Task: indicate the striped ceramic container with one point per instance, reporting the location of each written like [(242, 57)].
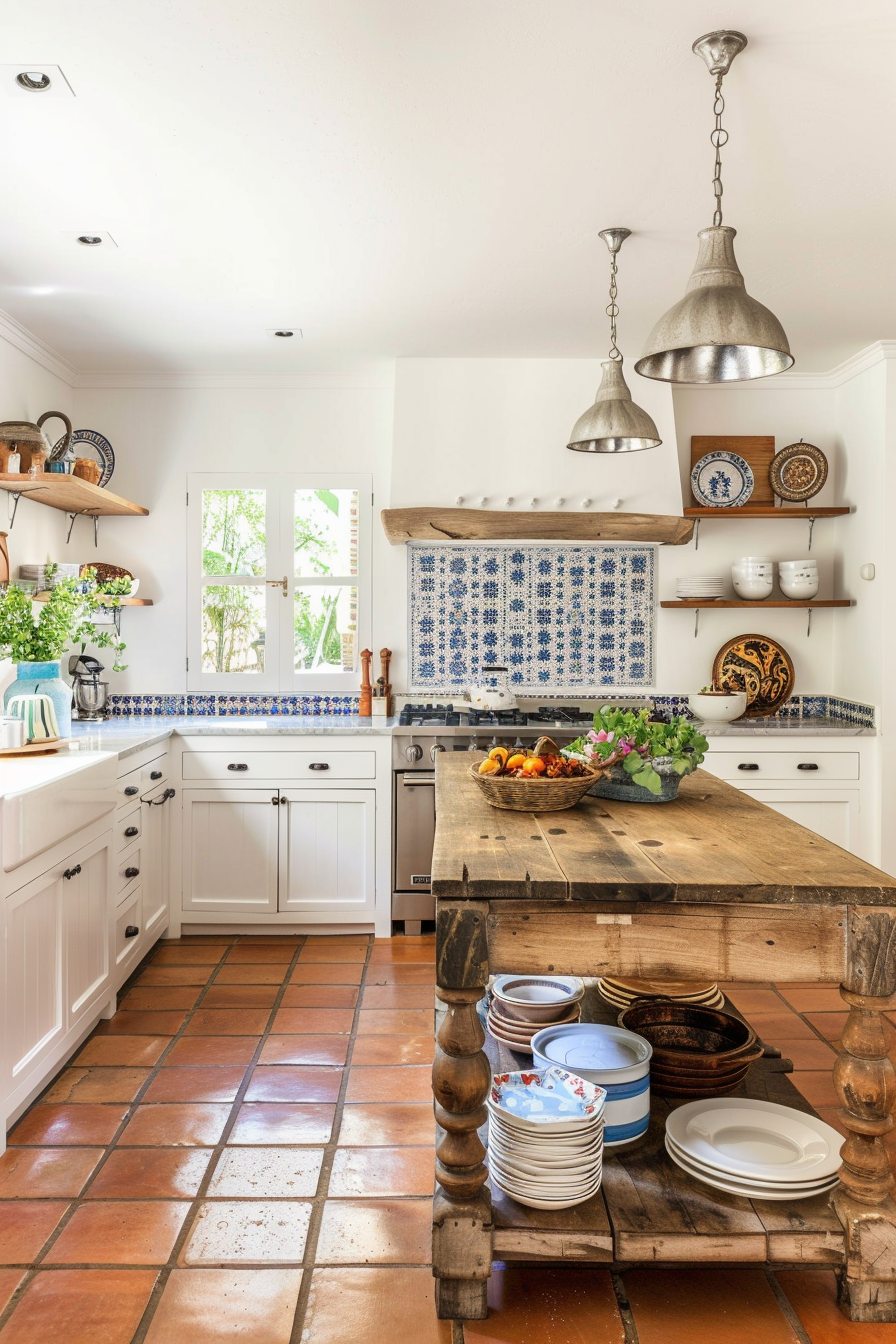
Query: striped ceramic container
[(616, 1059), (39, 716)]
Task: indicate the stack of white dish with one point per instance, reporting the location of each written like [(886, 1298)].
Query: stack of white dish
[(521, 1005), (545, 1137), (616, 1060), (708, 588), (756, 1149), (754, 577), (621, 991), (798, 578)]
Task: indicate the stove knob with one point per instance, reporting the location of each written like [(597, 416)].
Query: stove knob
[(434, 750), (473, 745), (413, 752), (519, 745), (493, 743)]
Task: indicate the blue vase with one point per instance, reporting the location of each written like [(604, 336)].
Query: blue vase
[(44, 679)]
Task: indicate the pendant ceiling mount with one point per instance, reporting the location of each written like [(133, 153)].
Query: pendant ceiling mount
[(717, 333), (614, 424)]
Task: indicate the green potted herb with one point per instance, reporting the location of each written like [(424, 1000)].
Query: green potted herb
[(36, 644), (648, 758)]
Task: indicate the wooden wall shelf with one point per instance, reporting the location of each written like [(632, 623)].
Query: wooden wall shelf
[(435, 524), (71, 495), (122, 601), (722, 604), (791, 512)]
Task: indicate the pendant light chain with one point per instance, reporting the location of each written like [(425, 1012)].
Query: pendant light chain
[(718, 138), (613, 310)]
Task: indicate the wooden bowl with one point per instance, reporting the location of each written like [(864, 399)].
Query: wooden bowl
[(535, 794)]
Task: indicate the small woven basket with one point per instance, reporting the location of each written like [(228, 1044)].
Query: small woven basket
[(536, 794)]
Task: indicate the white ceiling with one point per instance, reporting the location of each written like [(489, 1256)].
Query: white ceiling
[(406, 177)]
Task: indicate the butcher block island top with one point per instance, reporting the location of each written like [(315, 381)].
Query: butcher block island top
[(712, 885)]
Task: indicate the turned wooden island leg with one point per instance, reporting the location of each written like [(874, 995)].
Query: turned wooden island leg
[(866, 1085), (461, 1075)]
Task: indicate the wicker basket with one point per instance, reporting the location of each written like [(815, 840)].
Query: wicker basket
[(537, 794)]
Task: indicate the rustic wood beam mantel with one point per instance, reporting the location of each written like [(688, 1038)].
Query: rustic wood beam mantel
[(435, 524)]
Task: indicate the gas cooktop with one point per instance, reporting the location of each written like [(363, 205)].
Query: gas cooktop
[(447, 716)]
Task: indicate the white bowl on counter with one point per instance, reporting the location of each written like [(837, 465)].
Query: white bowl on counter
[(718, 708)]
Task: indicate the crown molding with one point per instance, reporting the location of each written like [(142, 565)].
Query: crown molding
[(860, 362), (16, 335), (370, 377)]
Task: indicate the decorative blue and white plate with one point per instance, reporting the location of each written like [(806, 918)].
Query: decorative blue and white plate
[(101, 450), (553, 1097), (722, 480)]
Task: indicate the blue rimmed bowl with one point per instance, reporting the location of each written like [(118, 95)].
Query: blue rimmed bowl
[(611, 1057)]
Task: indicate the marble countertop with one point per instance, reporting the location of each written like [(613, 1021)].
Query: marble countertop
[(127, 735), (772, 727)]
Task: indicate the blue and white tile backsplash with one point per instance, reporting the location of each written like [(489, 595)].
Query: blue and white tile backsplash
[(568, 617)]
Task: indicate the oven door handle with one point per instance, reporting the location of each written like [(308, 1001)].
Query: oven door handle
[(409, 782)]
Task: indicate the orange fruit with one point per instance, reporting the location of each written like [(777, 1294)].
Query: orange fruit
[(516, 760), (489, 766), (534, 765), (499, 754)]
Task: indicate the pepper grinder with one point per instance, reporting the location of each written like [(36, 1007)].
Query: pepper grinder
[(364, 706), (385, 660)]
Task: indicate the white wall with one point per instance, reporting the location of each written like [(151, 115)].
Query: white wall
[(160, 435)]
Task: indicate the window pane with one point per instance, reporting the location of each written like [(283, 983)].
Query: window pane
[(233, 628), (326, 623), (326, 532), (233, 531)]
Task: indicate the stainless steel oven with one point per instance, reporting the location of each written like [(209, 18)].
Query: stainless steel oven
[(414, 828)]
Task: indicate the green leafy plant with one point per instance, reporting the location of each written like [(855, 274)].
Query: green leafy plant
[(635, 741), (64, 620)]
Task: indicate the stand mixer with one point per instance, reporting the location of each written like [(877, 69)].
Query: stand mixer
[(90, 694)]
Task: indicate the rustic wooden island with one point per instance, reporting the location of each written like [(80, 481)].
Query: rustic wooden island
[(714, 885)]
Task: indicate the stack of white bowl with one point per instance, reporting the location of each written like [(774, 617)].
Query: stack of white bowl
[(708, 587), (754, 577), (545, 1137), (798, 578), (521, 1005)]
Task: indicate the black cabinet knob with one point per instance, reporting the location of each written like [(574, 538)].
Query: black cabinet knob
[(237, 767), (318, 765), (131, 831), (131, 790), (749, 765), (132, 872), (807, 765), (155, 774), (131, 931), (72, 872)]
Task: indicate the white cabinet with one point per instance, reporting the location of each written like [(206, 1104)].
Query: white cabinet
[(156, 850), (86, 925), (230, 850), (34, 1008), (327, 847)]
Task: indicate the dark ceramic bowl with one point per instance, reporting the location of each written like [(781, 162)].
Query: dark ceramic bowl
[(686, 1036)]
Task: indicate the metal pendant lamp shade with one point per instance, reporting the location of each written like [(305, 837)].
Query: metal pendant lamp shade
[(614, 424), (717, 333)]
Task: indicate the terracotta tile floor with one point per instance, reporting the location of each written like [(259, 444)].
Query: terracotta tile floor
[(246, 1151)]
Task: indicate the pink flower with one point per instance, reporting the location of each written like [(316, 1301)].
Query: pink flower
[(625, 748)]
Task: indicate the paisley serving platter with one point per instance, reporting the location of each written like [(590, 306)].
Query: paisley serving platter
[(722, 480), (99, 446), (798, 472), (758, 666)]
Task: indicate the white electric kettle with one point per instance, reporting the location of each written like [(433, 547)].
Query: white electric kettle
[(491, 690)]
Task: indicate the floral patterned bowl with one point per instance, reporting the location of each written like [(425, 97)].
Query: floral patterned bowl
[(553, 1100)]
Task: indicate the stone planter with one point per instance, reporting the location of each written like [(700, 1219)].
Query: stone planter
[(619, 784)]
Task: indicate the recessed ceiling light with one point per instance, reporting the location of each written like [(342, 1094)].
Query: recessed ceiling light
[(284, 332), (89, 239), (35, 81)]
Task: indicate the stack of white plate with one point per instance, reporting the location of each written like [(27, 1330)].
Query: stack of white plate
[(545, 1137), (621, 991), (708, 588), (754, 1148), (521, 1005)]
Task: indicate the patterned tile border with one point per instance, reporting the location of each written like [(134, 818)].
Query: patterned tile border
[(797, 707)]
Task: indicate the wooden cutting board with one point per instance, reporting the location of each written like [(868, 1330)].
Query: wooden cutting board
[(757, 450)]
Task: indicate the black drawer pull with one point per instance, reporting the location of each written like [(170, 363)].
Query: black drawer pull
[(132, 872), (132, 831), (237, 767), (155, 774), (131, 790), (807, 765), (748, 765), (72, 872), (131, 931), (318, 765)]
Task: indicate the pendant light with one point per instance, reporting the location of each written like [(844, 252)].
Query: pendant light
[(716, 333), (614, 424)]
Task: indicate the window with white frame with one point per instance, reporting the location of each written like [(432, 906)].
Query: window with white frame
[(279, 582)]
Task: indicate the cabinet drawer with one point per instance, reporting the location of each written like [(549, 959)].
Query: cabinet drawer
[(129, 788), (128, 829), (129, 916), (312, 767), (800, 767), (153, 775), (129, 867)]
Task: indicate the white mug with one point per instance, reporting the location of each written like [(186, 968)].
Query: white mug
[(12, 733)]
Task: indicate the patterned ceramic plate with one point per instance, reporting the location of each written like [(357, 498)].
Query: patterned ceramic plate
[(722, 480), (101, 450), (798, 472), (551, 1096), (760, 667)]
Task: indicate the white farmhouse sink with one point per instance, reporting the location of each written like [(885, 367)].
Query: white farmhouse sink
[(43, 799)]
